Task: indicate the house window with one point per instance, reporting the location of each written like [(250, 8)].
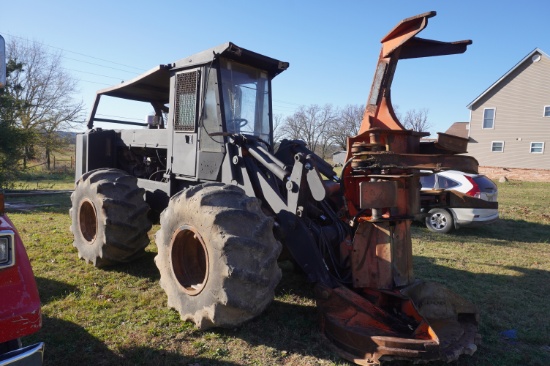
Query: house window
[(497, 146), (537, 148), (547, 111), (488, 117)]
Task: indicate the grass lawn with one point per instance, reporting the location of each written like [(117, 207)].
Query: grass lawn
[(43, 180), (119, 316)]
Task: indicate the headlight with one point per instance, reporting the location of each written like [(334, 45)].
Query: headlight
[(7, 253)]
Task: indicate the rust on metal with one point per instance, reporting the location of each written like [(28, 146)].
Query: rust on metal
[(378, 194), (387, 313), (458, 199), (386, 159), (452, 143), (381, 258)]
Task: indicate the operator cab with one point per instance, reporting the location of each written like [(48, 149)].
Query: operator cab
[(199, 102), (245, 92)]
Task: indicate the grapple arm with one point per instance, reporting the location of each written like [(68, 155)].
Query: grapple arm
[(400, 43), (386, 313)]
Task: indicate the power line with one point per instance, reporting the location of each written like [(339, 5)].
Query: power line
[(94, 82), (93, 63), (276, 105), (79, 53), (282, 101), (100, 59), (86, 62), (121, 117), (91, 73), (284, 108)]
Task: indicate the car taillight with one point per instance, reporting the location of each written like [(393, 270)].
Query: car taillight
[(474, 192)]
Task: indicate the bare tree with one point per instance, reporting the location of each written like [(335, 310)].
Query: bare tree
[(46, 94), (417, 120), (311, 124), (397, 112), (347, 124), (277, 130)]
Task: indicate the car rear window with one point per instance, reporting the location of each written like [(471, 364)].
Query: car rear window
[(484, 183), (446, 183), (428, 181)]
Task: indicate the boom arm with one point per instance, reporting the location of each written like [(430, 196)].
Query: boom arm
[(381, 189), (400, 43)]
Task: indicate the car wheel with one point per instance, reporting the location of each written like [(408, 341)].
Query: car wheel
[(439, 221)]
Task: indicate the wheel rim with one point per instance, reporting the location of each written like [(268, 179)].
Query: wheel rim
[(438, 221), (87, 221), (189, 259)]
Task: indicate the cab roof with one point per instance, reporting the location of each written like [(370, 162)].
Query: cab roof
[(154, 85)]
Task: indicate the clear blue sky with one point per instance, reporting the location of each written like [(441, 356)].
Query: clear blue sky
[(332, 46)]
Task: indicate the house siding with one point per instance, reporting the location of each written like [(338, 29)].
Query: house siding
[(519, 101)]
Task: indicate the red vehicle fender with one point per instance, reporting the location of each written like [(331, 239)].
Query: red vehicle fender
[(19, 301)]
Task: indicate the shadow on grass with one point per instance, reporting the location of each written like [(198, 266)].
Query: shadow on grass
[(504, 302), (289, 327), (511, 230), (51, 290), (503, 229), (143, 267), (70, 344), (284, 328)]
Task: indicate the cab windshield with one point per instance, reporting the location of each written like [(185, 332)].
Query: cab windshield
[(246, 99)]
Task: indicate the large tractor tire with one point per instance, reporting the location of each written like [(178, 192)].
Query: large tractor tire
[(109, 217), (217, 255)]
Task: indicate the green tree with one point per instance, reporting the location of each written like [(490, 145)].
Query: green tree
[(12, 139)]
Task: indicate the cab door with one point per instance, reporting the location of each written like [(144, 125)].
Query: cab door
[(185, 106)]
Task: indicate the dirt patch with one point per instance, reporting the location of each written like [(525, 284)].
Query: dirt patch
[(35, 192), (526, 175), (24, 207), (27, 207)]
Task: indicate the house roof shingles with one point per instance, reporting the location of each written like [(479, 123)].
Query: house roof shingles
[(459, 129)]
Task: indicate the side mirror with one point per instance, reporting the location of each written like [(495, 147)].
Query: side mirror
[(2, 62)]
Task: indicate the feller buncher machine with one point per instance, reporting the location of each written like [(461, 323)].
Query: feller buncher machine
[(229, 202)]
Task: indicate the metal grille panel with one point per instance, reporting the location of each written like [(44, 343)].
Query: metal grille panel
[(186, 101)]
